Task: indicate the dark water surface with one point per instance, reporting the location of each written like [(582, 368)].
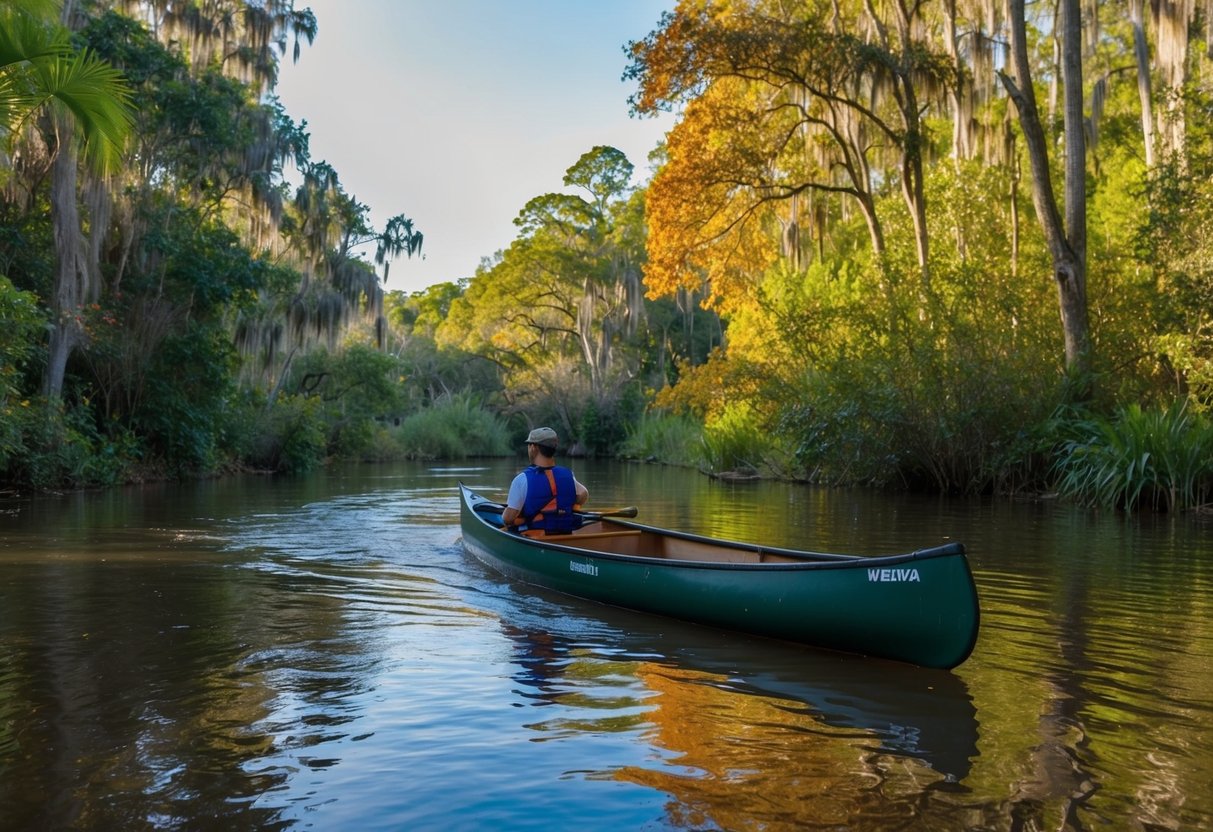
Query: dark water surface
[(320, 653)]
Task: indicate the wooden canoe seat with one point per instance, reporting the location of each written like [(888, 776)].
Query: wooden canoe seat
[(573, 536), (538, 534), (594, 535)]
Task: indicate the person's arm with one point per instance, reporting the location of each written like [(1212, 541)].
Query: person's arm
[(515, 501), (583, 494)]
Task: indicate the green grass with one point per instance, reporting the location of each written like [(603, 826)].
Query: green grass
[(665, 438), (455, 427), (1157, 458)]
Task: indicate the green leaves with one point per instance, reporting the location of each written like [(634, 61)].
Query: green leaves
[(19, 323), (1163, 457), (604, 172), (40, 70)]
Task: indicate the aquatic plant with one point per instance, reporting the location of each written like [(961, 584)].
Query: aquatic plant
[(1156, 457), (665, 438)]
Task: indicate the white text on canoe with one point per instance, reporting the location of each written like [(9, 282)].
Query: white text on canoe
[(584, 568), (881, 575)]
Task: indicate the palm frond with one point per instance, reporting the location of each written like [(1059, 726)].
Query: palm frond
[(98, 99), (26, 39)]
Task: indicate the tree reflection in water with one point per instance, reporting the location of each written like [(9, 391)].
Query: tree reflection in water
[(320, 653), (749, 734)]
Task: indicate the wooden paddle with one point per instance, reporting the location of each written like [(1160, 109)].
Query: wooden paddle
[(626, 511)]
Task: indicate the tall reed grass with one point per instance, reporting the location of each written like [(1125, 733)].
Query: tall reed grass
[(454, 427), (665, 438), (733, 444), (1161, 458), (738, 442)]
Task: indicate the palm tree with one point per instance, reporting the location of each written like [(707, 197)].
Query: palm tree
[(75, 102), (41, 71)]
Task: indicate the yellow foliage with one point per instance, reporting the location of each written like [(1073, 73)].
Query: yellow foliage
[(707, 389), (708, 212)]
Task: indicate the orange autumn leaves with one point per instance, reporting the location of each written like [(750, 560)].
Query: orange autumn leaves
[(750, 152), (795, 118), (709, 218)]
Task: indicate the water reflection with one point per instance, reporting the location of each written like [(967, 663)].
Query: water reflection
[(319, 653), (123, 690), (747, 730)]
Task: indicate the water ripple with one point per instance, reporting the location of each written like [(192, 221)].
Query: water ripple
[(321, 653)]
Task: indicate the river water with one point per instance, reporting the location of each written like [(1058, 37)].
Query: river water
[(320, 653)]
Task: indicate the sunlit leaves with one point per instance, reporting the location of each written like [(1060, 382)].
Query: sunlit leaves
[(561, 311), (793, 114), (706, 221), (41, 69), (604, 173), (19, 322)]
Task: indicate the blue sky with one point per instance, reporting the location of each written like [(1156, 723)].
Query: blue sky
[(457, 112)]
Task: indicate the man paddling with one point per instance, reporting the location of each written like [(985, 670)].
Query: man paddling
[(544, 495)]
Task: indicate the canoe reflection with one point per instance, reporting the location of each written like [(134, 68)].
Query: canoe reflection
[(724, 703)]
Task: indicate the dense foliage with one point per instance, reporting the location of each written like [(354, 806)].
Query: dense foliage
[(877, 248), (155, 310), (852, 184)]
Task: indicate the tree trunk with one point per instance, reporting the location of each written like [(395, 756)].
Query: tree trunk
[(1068, 250), (1075, 137), (912, 178), (1171, 19), (73, 278), (904, 93), (71, 275), (1015, 177), (867, 206), (914, 193), (1072, 274), (1141, 53), (960, 92)]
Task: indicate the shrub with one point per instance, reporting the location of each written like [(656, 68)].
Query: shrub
[(1156, 457), (20, 322), (667, 438), (48, 446), (181, 415), (604, 422), (454, 427), (842, 428), (290, 437)]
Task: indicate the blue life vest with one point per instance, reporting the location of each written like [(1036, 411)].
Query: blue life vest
[(549, 500)]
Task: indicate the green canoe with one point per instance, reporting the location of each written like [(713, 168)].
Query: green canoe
[(919, 607)]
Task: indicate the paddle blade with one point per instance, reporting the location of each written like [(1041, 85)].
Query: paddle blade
[(626, 511)]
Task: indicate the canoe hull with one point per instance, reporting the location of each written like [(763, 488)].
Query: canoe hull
[(919, 608)]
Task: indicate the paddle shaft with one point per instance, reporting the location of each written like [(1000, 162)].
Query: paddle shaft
[(626, 511)]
